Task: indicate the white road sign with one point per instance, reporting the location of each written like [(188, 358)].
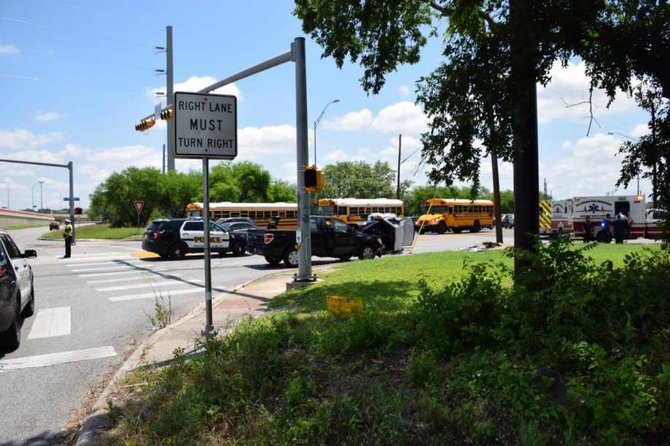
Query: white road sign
[(205, 125)]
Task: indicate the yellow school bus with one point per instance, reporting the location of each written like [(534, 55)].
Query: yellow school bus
[(444, 214), (356, 210), (261, 213)]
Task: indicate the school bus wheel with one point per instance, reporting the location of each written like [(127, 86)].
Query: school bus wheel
[(441, 228)]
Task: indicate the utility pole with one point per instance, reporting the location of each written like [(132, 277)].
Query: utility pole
[(170, 94), (397, 193)]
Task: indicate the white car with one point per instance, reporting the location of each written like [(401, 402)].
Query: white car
[(17, 295)]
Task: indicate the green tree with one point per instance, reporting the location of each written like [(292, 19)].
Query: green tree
[(177, 190), (495, 53), (358, 179), (239, 182), (281, 191), (113, 199)]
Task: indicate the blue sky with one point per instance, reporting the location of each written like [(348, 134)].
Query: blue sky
[(76, 75)]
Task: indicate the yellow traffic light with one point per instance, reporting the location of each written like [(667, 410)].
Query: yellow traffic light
[(167, 114), (145, 124), (314, 179)]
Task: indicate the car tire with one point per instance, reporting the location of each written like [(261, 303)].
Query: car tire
[(366, 252), (273, 260), (476, 227), (29, 309), (291, 258), (11, 338), (177, 251), (238, 249), (441, 228)]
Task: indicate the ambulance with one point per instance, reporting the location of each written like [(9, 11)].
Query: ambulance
[(608, 207)]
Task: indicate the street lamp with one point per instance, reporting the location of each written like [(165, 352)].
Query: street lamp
[(41, 183), (32, 194), (316, 123)]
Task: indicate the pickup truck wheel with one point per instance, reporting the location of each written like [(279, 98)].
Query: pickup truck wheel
[(238, 249), (291, 258), (177, 251), (273, 260), (366, 252), (11, 338)]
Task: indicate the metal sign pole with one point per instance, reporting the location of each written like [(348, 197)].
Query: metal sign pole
[(208, 329), (305, 252)]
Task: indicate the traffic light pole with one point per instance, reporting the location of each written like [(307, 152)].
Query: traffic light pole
[(70, 167), (170, 94), (305, 241)]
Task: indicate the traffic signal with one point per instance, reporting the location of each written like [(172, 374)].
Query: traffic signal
[(167, 114), (314, 179), (145, 124)]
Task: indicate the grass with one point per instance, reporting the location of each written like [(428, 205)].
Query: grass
[(97, 231), (304, 377)]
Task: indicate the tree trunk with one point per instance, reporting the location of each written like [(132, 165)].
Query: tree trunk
[(524, 125)]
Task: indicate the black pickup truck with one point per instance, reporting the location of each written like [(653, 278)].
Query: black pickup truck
[(331, 237)]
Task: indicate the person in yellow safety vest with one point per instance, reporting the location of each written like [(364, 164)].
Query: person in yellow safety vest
[(67, 236)]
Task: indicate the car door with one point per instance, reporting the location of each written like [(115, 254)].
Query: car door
[(318, 236), (219, 238), (343, 238), (7, 287), (19, 264)]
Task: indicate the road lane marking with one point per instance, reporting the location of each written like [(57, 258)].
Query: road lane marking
[(102, 268), (7, 365), (51, 322), (153, 295), (149, 275), (106, 262), (143, 285), (111, 274)]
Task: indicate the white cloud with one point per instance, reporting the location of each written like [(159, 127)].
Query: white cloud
[(99, 164), (351, 122), (567, 96), (49, 116), (22, 139), (404, 90), (7, 49), (336, 156), (402, 117), (255, 143)]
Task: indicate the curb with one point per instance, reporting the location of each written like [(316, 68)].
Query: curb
[(97, 417)]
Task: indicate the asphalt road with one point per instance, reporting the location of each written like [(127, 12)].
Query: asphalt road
[(94, 308)]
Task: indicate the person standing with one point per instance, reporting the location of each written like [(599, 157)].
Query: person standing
[(620, 225), (67, 236), (588, 229)]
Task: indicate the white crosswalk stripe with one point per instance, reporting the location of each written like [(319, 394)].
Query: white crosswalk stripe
[(148, 284), (120, 274), (50, 359), (51, 322), (164, 294)]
